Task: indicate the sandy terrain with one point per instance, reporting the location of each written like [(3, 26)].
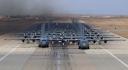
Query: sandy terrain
[(7, 26), (111, 24), (10, 25), (104, 23)]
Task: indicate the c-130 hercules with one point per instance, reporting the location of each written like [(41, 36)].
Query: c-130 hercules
[(82, 40)]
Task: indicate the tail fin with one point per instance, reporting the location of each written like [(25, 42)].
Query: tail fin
[(82, 31), (43, 29)]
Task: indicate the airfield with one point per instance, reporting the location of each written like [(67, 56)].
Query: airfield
[(15, 55)]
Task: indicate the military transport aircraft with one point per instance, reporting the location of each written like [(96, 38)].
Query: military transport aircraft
[(82, 38), (83, 42)]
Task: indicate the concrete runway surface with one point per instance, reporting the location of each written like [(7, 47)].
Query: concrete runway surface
[(14, 55)]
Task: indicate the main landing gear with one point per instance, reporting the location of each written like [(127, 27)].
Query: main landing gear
[(84, 48), (43, 46)]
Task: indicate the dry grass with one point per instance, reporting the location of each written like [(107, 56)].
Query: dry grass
[(119, 24), (6, 26), (122, 33)]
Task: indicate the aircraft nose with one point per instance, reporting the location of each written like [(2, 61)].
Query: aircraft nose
[(43, 42), (84, 44)]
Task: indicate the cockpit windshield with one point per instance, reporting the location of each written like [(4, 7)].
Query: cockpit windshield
[(43, 40), (83, 41)]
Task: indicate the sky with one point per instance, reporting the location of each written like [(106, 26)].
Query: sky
[(40, 7)]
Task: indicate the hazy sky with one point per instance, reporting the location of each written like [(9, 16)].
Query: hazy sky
[(38, 7)]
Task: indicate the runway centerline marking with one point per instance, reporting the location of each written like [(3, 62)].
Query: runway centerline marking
[(58, 51), (58, 56), (115, 57), (58, 61), (58, 68), (9, 52)]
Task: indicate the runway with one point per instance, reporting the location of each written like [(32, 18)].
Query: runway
[(14, 55)]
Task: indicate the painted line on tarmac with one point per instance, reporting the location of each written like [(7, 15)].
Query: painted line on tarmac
[(58, 56), (9, 52), (115, 57), (58, 68), (58, 52), (58, 61)]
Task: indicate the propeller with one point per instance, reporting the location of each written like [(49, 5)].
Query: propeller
[(25, 36), (23, 40), (94, 41), (95, 32), (73, 41), (28, 41), (33, 40), (99, 42), (91, 37), (34, 36), (105, 41), (101, 37)]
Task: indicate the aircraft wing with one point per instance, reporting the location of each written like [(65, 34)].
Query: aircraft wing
[(72, 39), (84, 36), (24, 39), (35, 39), (36, 35), (113, 40), (25, 33), (88, 35), (40, 35), (29, 35), (55, 39), (106, 39), (14, 39), (110, 37), (17, 36), (97, 39), (97, 35)]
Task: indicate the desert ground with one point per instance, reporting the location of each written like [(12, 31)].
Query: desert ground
[(104, 23), (110, 24)]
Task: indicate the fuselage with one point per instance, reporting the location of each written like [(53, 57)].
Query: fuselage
[(43, 43), (84, 44)]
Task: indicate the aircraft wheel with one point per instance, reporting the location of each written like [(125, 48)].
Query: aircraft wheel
[(87, 47), (79, 47), (39, 46)]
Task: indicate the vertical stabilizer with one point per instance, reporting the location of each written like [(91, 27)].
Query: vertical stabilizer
[(50, 21), (73, 21), (83, 31), (80, 28), (43, 29)]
